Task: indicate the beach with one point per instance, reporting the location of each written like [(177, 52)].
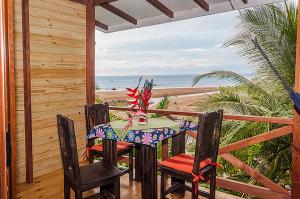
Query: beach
[(181, 99)]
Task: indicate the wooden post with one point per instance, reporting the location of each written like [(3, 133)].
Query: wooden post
[(12, 100), (7, 104), (296, 126), (90, 52), (3, 99), (27, 91)]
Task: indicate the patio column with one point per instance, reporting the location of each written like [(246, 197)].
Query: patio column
[(296, 126), (90, 52)]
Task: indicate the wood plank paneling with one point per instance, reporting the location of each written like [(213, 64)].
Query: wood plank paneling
[(58, 49)]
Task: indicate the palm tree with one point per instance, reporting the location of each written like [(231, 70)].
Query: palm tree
[(275, 28)]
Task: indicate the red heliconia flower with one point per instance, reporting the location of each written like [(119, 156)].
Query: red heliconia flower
[(132, 90), (147, 91), (131, 95), (141, 98)]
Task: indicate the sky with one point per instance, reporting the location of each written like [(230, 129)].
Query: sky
[(192, 46)]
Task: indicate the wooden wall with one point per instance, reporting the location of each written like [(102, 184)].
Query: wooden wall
[(57, 42)]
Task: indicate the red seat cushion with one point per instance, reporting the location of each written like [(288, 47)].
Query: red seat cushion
[(120, 146), (184, 163)]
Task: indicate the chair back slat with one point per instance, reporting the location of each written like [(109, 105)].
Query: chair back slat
[(96, 114), (68, 147), (208, 138)]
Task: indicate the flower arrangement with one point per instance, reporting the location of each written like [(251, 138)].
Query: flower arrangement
[(141, 100)]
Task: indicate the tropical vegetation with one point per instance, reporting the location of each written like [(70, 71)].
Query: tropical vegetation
[(275, 27)]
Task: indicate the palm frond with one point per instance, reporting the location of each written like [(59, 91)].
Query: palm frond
[(275, 28), (162, 104), (222, 74)]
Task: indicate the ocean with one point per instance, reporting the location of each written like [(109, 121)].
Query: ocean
[(160, 81)]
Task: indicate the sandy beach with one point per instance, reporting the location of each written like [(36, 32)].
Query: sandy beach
[(181, 99)]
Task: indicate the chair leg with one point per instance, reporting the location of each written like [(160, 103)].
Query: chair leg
[(212, 185), (131, 165), (90, 157), (117, 188), (66, 189), (194, 190), (162, 185), (78, 194)]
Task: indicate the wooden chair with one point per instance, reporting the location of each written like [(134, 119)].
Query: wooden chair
[(202, 166), (97, 114), (83, 178)]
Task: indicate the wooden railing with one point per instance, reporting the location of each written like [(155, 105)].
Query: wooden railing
[(269, 189)]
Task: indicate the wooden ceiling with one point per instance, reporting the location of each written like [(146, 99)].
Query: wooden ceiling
[(117, 15)]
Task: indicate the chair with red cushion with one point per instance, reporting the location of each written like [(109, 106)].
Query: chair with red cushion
[(97, 114), (201, 166)]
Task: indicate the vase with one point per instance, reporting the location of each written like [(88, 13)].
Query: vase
[(143, 118), (142, 121)]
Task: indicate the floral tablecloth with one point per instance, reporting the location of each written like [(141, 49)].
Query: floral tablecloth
[(104, 131), (156, 130), (186, 125)]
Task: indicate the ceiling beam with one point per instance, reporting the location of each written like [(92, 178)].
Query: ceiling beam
[(203, 4), (160, 6), (119, 13), (101, 25), (245, 1), (99, 2)]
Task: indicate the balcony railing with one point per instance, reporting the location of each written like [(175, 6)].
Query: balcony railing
[(269, 189)]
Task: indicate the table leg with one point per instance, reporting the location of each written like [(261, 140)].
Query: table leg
[(149, 172), (138, 163)]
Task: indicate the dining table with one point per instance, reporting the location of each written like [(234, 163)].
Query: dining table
[(146, 137)]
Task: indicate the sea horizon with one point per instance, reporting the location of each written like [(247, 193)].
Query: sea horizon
[(119, 82)]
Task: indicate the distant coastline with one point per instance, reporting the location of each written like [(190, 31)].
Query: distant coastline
[(181, 99), (108, 83)]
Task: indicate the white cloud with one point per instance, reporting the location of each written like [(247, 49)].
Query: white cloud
[(189, 47)]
